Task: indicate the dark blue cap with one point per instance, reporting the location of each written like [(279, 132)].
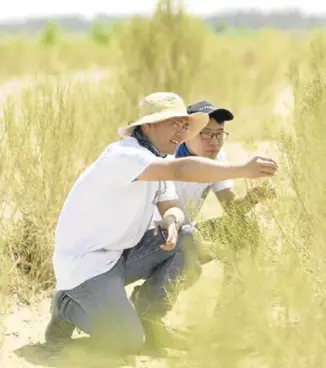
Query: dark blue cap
[(214, 112)]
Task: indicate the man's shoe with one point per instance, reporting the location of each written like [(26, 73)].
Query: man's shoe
[(58, 330), (159, 336)]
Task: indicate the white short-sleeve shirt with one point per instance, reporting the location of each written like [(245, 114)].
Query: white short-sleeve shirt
[(105, 212), (191, 194)]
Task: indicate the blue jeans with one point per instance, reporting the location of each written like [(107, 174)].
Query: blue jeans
[(100, 306)]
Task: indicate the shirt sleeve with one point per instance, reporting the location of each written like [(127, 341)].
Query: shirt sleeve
[(167, 192), (224, 184), (122, 165)]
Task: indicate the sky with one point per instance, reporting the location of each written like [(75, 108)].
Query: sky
[(21, 9)]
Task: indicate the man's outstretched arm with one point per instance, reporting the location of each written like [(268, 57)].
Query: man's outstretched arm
[(204, 170)]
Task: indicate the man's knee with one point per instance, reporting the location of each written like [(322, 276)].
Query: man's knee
[(186, 240)]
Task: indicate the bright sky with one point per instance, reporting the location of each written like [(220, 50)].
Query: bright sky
[(19, 9)]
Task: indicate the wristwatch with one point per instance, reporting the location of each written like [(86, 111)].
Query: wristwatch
[(177, 224)]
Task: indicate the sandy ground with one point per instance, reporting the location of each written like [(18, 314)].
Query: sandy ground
[(23, 337), (24, 329)]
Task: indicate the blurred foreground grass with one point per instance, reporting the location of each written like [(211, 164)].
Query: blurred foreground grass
[(271, 308)]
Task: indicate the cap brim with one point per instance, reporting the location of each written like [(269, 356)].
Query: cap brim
[(197, 122), (221, 115)]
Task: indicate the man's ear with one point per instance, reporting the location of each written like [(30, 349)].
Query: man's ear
[(145, 128)]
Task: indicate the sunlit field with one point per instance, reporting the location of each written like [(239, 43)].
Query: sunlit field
[(262, 302)]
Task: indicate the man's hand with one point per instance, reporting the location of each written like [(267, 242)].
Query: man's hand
[(170, 228), (172, 238), (259, 167), (172, 219)]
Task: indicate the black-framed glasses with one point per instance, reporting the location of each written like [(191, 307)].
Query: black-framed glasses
[(220, 136)]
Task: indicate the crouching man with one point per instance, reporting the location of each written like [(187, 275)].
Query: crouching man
[(102, 243)]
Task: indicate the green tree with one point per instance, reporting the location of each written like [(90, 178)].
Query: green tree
[(100, 33), (51, 34)]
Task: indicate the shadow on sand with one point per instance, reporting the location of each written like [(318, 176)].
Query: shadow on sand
[(79, 353)]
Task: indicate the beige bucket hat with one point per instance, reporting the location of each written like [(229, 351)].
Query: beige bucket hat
[(160, 106)]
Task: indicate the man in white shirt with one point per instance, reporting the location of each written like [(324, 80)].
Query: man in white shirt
[(101, 240), (209, 143)]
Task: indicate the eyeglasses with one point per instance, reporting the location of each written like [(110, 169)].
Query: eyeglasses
[(179, 126), (206, 135)]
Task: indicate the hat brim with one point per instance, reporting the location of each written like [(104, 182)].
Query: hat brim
[(221, 115), (197, 122)]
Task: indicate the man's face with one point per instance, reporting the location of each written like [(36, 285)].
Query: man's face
[(209, 141), (166, 135)]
